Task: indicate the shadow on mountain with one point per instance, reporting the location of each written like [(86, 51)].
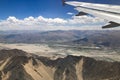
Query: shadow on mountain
[(19, 65)]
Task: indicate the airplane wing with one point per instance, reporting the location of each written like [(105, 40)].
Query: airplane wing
[(104, 11)]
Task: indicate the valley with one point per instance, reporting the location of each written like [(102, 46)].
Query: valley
[(56, 50)]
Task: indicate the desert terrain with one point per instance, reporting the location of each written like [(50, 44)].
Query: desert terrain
[(55, 51)]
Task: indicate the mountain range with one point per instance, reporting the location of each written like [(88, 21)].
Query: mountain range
[(106, 38)]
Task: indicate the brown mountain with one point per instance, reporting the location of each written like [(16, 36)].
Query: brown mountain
[(19, 65)]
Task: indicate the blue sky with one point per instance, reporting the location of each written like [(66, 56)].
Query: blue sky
[(24, 14), (46, 8), (25, 8)]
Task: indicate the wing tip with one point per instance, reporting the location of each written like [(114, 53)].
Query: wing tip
[(63, 2)]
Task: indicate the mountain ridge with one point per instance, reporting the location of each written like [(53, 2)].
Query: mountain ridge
[(17, 65)]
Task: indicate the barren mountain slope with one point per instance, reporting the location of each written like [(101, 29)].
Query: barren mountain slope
[(19, 65)]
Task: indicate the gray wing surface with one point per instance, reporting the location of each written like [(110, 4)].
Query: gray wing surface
[(104, 11)]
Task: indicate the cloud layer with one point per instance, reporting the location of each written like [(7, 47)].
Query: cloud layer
[(42, 23)]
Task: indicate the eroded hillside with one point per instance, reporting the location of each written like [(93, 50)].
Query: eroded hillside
[(19, 65)]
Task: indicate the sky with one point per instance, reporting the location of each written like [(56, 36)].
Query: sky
[(46, 15)]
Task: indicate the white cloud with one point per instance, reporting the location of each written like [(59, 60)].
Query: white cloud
[(42, 23), (69, 13), (12, 19), (29, 18)]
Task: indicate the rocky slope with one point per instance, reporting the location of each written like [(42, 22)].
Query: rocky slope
[(19, 65)]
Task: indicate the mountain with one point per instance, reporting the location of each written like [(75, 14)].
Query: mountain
[(106, 38), (19, 65)]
